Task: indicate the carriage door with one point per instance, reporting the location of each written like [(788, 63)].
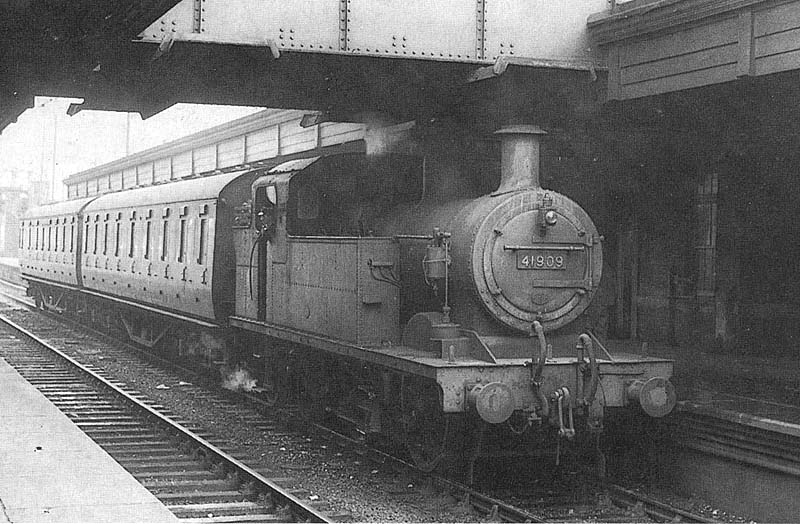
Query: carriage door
[(265, 217)]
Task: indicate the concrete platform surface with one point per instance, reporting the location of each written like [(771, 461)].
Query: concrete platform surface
[(50, 471), (764, 414), (753, 388)]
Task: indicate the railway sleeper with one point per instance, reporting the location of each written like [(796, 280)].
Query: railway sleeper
[(202, 496), (167, 485), (221, 509), (170, 475), (161, 465), (147, 453), (236, 518)]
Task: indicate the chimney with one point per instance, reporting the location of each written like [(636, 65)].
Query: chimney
[(520, 158)]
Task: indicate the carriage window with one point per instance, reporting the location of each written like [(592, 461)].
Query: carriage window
[(63, 237), (164, 239), (49, 237), (96, 236), (72, 238), (165, 234), (105, 237), (116, 239), (147, 240), (86, 238), (182, 247), (132, 245), (30, 235), (201, 245), (55, 228)]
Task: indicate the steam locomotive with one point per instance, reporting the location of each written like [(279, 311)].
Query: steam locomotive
[(363, 288)]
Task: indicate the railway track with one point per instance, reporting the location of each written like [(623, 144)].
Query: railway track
[(188, 470), (211, 481)]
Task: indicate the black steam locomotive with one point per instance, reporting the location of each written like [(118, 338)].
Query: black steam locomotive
[(367, 288)]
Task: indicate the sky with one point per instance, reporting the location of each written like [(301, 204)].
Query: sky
[(45, 142)]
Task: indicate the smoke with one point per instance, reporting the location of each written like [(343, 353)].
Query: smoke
[(238, 380)]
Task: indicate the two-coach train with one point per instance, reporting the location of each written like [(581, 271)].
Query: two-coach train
[(367, 288)]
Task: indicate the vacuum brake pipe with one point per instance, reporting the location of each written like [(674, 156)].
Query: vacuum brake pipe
[(585, 341), (538, 366)]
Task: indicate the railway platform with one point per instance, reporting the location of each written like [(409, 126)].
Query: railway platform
[(771, 416), (9, 270), (50, 471), (754, 389)]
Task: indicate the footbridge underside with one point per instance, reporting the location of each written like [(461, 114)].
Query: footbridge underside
[(504, 61)]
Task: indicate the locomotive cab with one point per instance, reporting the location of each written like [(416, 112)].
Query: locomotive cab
[(317, 270)]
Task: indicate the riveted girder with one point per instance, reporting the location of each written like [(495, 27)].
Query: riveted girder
[(551, 32)]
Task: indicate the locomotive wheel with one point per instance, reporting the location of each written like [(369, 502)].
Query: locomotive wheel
[(271, 389), (430, 435), (311, 385), (274, 382)]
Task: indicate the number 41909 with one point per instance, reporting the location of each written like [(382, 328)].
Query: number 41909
[(528, 261)]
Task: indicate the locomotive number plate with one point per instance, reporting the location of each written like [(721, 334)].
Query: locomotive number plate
[(544, 259)]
